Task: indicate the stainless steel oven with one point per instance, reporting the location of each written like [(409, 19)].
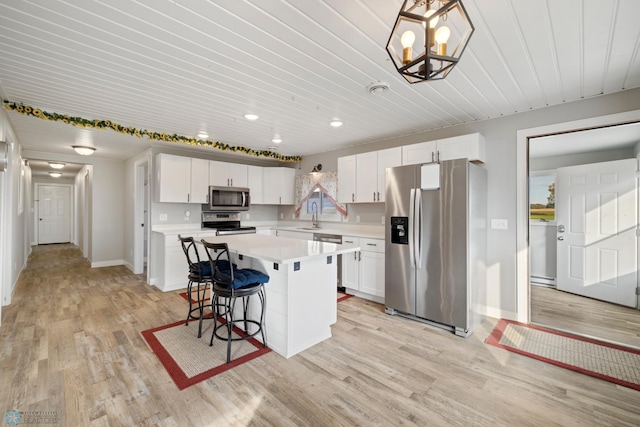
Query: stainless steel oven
[(228, 199)]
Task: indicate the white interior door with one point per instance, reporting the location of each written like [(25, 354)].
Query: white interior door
[(54, 219), (596, 210)]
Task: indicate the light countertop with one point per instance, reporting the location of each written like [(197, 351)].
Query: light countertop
[(281, 250), (372, 232)]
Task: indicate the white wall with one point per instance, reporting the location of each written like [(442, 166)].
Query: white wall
[(13, 236)]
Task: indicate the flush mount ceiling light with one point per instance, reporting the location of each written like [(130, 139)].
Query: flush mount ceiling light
[(203, 134), (55, 174), (440, 30), (83, 150), (276, 140), (56, 165), (251, 117), (336, 123)]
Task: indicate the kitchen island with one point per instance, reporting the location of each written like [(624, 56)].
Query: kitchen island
[(301, 302)]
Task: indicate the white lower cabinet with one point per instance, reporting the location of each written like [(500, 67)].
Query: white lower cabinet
[(363, 271), (170, 267)]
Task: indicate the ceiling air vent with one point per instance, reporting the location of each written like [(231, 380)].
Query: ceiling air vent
[(378, 87)]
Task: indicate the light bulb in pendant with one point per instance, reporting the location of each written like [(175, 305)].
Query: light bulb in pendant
[(432, 25), (407, 39), (442, 36)]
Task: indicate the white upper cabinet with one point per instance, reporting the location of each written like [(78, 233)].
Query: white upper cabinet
[(228, 174), (361, 178), (279, 186), (255, 177), (347, 179), (423, 152), (389, 158), (173, 178), (199, 192), (471, 146)]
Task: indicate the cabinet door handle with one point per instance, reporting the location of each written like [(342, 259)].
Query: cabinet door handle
[(231, 182), (353, 197), (348, 241), (188, 197), (374, 196), (378, 196), (372, 244), (432, 157), (438, 156), (359, 256), (355, 254)]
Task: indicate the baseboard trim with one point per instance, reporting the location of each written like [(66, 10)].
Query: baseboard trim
[(109, 263)]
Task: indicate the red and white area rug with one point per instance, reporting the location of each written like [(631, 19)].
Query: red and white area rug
[(343, 296), (189, 360), (609, 362)]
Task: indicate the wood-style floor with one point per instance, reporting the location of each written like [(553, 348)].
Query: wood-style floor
[(70, 343), (585, 316)]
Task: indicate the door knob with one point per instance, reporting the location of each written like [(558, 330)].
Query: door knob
[(561, 229), (560, 238)]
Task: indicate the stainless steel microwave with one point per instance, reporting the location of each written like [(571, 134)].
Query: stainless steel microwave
[(233, 199)]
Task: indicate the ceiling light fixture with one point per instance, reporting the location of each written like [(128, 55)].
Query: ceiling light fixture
[(203, 134), (316, 169), (431, 23), (276, 140), (83, 150), (56, 165), (336, 123), (251, 117), (55, 174)]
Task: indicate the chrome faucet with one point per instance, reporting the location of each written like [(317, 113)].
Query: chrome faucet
[(314, 215)]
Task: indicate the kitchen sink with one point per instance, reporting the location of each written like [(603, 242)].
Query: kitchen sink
[(308, 228)]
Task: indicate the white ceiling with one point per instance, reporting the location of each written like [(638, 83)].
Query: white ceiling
[(178, 66)]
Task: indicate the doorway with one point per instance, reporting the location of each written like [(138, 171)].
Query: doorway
[(571, 314), (141, 217), (54, 214)]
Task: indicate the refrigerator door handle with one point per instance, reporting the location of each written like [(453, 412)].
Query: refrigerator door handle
[(412, 202), (417, 228)]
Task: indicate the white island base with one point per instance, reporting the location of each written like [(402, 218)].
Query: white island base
[(301, 303)]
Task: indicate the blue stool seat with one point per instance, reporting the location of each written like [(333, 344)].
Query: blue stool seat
[(244, 277), (204, 267)]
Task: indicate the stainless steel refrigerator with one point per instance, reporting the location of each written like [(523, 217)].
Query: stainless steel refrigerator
[(435, 249)]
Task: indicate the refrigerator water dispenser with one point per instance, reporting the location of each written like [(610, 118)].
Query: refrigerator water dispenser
[(400, 230)]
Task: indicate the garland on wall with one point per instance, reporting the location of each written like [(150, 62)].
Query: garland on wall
[(152, 136)]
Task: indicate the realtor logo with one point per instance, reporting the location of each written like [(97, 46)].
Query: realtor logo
[(13, 418)]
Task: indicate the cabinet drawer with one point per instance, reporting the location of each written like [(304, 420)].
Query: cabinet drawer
[(350, 241), (372, 245)]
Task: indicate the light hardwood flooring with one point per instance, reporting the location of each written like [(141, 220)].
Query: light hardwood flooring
[(585, 316), (70, 342)]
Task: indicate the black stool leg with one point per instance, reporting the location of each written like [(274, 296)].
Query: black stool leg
[(263, 300), (189, 285)]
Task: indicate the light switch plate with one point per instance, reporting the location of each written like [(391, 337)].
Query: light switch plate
[(499, 224), (163, 217)]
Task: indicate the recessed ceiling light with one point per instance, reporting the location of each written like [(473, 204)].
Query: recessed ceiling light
[(55, 174), (56, 165), (83, 149), (336, 123), (250, 116), (203, 135), (276, 140)]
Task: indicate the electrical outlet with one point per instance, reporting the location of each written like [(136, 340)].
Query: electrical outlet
[(382, 220), (163, 217), (357, 218), (247, 216)]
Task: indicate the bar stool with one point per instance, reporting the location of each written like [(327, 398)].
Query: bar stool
[(231, 284), (200, 273)]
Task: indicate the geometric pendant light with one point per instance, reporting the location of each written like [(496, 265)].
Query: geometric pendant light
[(428, 38)]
